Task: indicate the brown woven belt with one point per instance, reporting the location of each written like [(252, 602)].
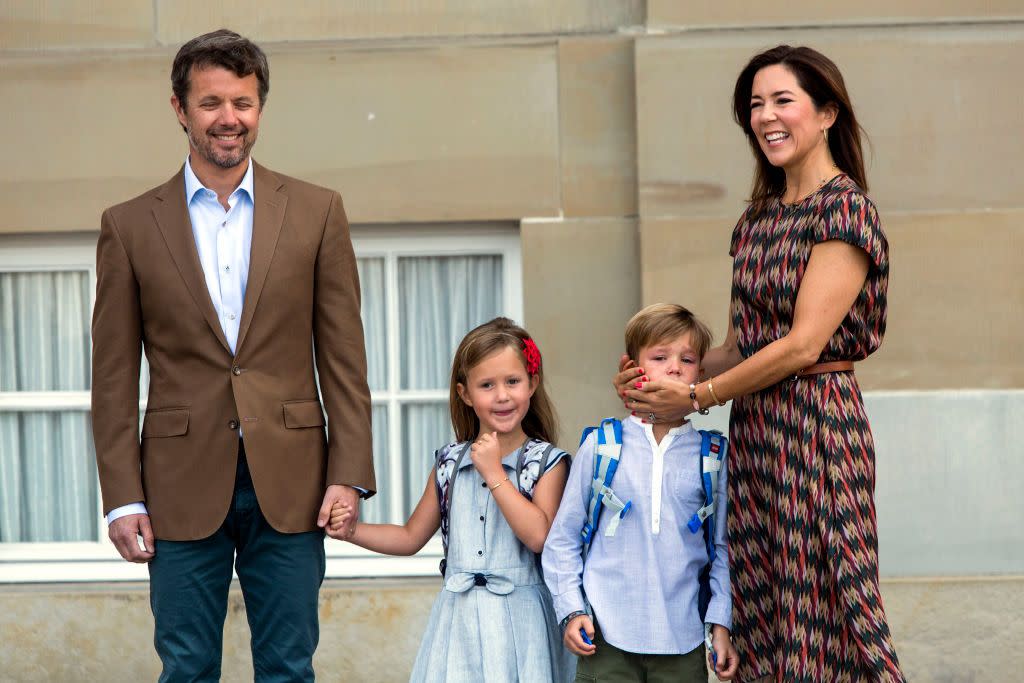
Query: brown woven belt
[(831, 366)]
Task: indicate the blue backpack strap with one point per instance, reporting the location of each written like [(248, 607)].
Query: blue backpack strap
[(713, 449), (606, 461)]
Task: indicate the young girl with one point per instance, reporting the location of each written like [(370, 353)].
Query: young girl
[(494, 495)]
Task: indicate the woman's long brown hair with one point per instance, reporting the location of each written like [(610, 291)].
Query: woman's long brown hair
[(540, 421), (820, 78)]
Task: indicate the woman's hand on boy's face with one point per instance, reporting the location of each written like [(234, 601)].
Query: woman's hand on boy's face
[(627, 376), (486, 455), (574, 641), (666, 398)]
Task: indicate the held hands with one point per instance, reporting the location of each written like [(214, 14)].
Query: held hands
[(725, 652), (486, 455), (124, 533), (574, 640), (341, 514), (665, 399), (343, 498)]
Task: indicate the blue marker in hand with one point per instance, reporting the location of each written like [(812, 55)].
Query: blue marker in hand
[(583, 635)]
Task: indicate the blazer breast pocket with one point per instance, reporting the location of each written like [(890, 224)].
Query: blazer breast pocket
[(164, 422), (302, 414)]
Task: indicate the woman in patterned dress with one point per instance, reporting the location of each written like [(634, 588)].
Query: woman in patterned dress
[(810, 272)]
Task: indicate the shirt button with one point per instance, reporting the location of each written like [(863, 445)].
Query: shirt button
[(484, 484), (227, 269), (481, 518), (231, 316), (236, 371), (233, 425), (479, 552), (224, 224)]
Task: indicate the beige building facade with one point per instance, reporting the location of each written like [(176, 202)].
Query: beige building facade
[(582, 152)]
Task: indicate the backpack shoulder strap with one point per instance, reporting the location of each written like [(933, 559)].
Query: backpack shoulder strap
[(607, 451), (446, 468), (713, 449)]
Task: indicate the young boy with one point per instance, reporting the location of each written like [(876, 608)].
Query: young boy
[(642, 582)]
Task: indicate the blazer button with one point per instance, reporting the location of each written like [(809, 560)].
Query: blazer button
[(236, 370), (233, 425)]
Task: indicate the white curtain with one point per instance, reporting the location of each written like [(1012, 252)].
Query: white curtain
[(440, 299), (48, 489)]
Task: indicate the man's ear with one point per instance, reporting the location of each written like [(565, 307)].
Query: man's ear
[(179, 111), (460, 389)]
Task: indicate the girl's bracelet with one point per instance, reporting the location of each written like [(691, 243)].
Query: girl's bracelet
[(498, 484)]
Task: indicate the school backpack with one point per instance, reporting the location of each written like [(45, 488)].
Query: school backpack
[(530, 465), (607, 451)]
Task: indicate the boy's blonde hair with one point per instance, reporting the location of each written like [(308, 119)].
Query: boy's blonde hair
[(663, 322), (540, 421)]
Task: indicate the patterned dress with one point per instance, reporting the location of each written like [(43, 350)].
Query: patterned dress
[(802, 534)]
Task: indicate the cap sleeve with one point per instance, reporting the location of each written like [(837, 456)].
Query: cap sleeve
[(853, 218)]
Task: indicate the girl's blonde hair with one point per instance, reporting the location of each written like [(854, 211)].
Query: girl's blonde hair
[(540, 421)]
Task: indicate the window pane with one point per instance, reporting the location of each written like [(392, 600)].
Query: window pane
[(376, 509), (44, 331), (373, 287), (48, 489), (440, 299), (425, 428)]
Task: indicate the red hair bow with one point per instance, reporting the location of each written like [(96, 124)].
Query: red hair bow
[(532, 355)]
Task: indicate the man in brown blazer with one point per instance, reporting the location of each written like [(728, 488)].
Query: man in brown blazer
[(231, 278)]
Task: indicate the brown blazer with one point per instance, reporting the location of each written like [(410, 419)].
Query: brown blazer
[(302, 291)]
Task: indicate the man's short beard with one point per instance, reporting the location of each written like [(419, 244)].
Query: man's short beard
[(206, 150)]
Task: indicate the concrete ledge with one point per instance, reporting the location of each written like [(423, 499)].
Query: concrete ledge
[(967, 629)]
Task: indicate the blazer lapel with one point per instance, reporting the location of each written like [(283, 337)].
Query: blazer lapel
[(171, 214), (268, 216)]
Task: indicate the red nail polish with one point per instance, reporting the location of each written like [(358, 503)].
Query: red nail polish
[(640, 370), (646, 378), (639, 385)]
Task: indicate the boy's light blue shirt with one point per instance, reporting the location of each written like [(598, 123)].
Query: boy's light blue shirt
[(642, 582)]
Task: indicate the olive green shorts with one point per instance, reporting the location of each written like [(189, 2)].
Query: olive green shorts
[(611, 664)]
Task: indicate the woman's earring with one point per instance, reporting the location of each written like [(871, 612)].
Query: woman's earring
[(824, 133)]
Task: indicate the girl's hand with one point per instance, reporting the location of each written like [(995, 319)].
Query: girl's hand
[(486, 456), (340, 514), (725, 651), (664, 398), (574, 641)]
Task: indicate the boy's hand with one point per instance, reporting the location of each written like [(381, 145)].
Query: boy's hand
[(338, 526), (725, 651), (574, 641), (486, 455)]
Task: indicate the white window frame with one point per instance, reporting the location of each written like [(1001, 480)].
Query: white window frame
[(60, 562)]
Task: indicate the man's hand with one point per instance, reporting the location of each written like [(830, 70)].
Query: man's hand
[(574, 641), (340, 516), (342, 496), (124, 533)]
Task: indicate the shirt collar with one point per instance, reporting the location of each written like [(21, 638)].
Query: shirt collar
[(194, 185), (675, 431)]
